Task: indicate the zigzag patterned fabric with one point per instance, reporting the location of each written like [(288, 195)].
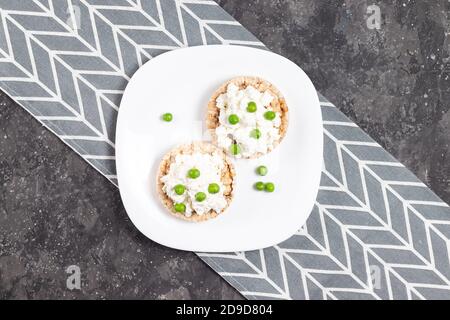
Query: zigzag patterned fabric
[(376, 231)]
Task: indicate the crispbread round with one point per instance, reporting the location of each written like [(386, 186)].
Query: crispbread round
[(227, 177), (278, 104)]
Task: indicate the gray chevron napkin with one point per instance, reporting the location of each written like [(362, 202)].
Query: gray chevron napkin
[(376, 231)]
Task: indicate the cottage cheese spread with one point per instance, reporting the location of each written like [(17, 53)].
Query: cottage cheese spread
[(210, 167), (235, 101)]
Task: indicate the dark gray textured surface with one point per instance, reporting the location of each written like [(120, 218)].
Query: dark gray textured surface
[(55, 210)]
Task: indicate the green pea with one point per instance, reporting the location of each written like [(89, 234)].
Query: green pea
[(167, 117), (270, 115), (259, 186), (233, 119), (269, 187), (179, 189), (180, 207), (251, 107), (255, 133), (235, 149), (194, 173), (261, 170), (200, 196), (213, 188)]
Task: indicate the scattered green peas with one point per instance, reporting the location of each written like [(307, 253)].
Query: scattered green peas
[(261, 170), (269, 187), (235, 149), (167, 117), (270, 115), (179, 189), (213, 188), (194, 173), (233, 119), (259, 186), (251, 107), (255, 133), (200, 196), (180, 207)]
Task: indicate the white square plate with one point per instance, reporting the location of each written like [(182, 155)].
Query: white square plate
[(181, 82)]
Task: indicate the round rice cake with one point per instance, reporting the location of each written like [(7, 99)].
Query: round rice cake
[(278, 105), (227, 175)]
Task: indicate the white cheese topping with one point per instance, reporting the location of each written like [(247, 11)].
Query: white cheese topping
[(235, 101), (210, 167)]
